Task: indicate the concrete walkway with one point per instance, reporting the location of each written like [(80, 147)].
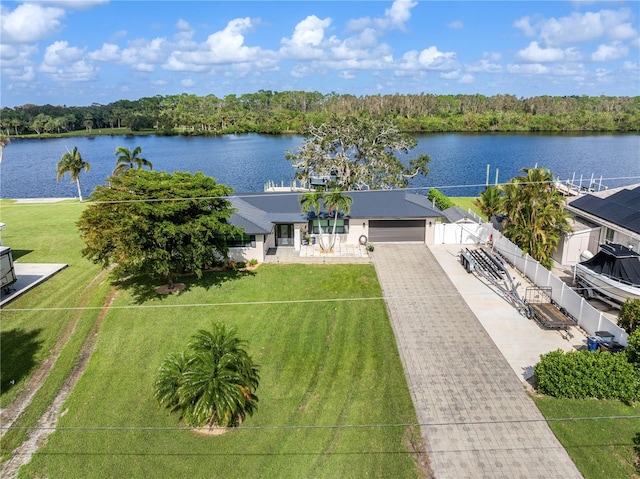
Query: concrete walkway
[(477, 420)]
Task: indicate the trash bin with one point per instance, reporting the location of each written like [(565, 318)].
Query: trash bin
[(592, 343)]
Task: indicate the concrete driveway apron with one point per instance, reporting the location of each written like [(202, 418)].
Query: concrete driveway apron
[(477, 420)]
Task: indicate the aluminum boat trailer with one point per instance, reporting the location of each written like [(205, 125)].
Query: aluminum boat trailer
[(493, 268), (537, 304)]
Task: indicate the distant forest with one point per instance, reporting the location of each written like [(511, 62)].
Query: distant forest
[(293, 111)]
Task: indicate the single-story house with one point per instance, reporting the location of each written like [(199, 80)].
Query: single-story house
[(609, 216), (275, 220)]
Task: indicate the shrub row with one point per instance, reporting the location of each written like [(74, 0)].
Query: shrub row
[(587, 374), (441, 200)]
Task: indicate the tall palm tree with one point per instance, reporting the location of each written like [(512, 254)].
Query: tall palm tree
[(127, 159), (336, 201), (212, 384), (72, 163), (536, 218)]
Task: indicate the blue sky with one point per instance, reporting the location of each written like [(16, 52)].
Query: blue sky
[(77, 52)]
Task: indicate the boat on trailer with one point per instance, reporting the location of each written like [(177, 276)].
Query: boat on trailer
[(612, 275)]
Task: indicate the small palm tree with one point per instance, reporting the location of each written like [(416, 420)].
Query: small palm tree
[(127, 159), (489, 201), (336, 202), (213, 383), (72, 163)]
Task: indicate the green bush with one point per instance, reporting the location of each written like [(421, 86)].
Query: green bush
[(587, 374), (629, 318), (442, 201), (633, 349)]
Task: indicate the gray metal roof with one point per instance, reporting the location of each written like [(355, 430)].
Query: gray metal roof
[(253, 220), (455, 214), (257, 213), (621, 208)]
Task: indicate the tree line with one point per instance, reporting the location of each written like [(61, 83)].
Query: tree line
[(272, 112)]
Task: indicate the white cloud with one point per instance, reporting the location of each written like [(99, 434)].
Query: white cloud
[(187, 83), (633, 67), (457, 25), (144, 55), (398, 14), (394, 18), (307, 39), (428, 59), (613, 51), (527, 69), (466, 79), (108, 53), (524, 24), (582, 27), (29, 23), (534, 53), (59, 55)]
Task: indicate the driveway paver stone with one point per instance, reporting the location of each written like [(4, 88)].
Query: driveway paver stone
[(477, 420)]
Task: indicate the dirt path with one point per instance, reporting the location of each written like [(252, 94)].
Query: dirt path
[(9, 414), (46, 424)]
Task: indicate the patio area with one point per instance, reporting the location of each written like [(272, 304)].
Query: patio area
[(341, 253)]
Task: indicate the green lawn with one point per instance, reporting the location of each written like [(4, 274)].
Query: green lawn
[(602, 448), (328, 363), (466, 203)]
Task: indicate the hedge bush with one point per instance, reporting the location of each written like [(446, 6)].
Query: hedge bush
[(633, 349), (587, 374), (441, 200), (629, 318)]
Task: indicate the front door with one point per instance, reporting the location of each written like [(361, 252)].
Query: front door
[(284, 235)]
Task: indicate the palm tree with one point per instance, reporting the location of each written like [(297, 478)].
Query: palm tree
[(72, 163), (311, 204), (336, 202), (536, 218), (127, 159), (212, 384), (490, 201)]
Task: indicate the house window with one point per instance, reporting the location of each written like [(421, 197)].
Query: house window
[(608, 235), (242, 241), (342, 226)]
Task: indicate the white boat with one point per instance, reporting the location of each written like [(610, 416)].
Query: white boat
[(612, 274)]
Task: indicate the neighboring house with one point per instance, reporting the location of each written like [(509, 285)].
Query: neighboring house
[(610, 216), (455, 214), (273, 220)]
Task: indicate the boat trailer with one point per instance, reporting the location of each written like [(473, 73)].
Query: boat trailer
[(537, 304), (492, 267)]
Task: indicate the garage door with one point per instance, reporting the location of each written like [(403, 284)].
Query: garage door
[(389, 231)]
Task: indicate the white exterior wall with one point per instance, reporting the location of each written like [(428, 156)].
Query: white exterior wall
[(248, 253)]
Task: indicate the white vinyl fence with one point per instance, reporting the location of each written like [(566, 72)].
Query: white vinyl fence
[(588, 318)]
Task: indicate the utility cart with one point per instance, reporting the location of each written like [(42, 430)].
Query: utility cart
[(542, 309)]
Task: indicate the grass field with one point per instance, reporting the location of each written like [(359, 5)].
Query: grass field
[(603, 448), (322, 364)]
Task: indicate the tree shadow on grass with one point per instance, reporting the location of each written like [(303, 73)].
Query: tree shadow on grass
[(144, 289), (18, 349)]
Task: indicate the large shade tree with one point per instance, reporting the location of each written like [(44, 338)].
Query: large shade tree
[(72, 163), (212, 383), (536, 218), (127, 159), (157, 224), (359, 152)]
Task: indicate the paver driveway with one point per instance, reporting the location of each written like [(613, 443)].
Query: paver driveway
[(477, 418)]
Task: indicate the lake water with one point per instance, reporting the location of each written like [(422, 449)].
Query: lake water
[(246, 162)]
